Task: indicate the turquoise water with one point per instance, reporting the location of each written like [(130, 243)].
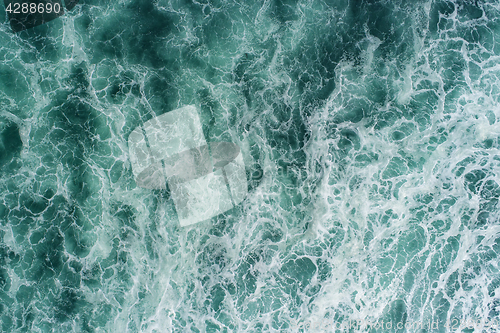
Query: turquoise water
[(371, 138)]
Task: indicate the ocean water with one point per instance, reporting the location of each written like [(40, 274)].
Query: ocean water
[(370, 132)]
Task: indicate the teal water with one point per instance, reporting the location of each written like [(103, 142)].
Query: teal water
[(371, 139)]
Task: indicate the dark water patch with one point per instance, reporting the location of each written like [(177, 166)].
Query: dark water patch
[(317, 83), (403, 131), (10, 144), (135, 32), (43, 41), (78, 242), (71, 111), (36, 205), (6, 257), (474, 180), (250, 72), (161, 93), (217, 296), (128, 229), (440, 12), (83, 22), (298, 273), (289, 141), (389, 22), (349, 139), (68, 304), (121, 86), (126, 214), (244, 67), (78, 130), (106, 45), (287, 133), (49, 256), (217, 31), (70, 4), (78, 185), (12, 83), (149, 26), (284, 10), (25, 294), (21, 223)]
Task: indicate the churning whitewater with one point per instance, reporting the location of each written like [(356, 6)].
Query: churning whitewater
[(369, 139)]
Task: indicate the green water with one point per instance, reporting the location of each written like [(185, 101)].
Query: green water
[(370, 131)]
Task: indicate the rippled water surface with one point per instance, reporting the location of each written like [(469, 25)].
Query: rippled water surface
[(370, 132)]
